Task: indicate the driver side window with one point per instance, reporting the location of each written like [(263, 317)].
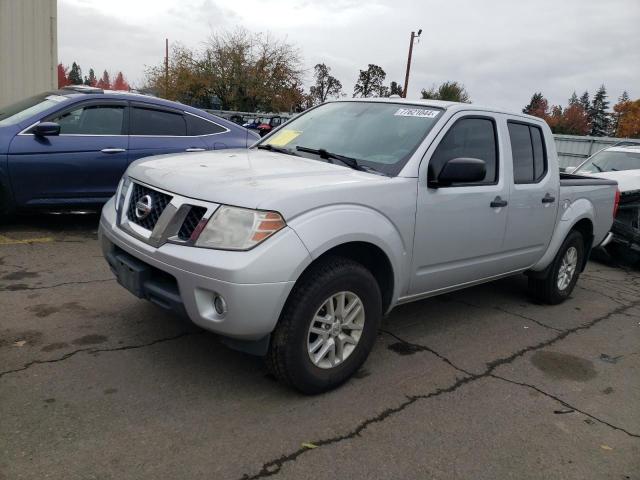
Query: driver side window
[(468, 138)]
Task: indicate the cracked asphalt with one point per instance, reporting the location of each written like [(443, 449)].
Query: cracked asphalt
[(478, 384)]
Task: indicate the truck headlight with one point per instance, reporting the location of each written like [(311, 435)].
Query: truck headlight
[(121, 192), (233, 228)]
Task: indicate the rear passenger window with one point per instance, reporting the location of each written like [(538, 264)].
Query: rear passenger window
[(148, 121), (199, 126), (529, 157), (470, 138)]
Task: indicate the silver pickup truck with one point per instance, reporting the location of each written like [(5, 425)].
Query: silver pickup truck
[(295, 248)]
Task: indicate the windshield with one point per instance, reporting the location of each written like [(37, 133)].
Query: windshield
[(611, 161), (379, 135), (17, 112)]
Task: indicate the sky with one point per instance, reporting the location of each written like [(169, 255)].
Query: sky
[(501, 50)]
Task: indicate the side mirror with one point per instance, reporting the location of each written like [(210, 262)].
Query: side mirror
[(460, 170), (46, 129), (569, 169)]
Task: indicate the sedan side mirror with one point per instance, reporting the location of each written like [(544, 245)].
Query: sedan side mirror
[(46, 129), (460, 170)]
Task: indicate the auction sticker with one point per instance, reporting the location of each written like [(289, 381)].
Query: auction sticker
[(280, 139), (417, 112)]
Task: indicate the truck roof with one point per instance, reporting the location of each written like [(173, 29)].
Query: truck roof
[(451, 106)]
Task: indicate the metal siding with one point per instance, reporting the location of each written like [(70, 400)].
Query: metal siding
[(28, 48), (574, 149)]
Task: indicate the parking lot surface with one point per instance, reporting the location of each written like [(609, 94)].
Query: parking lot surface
[(478, 384)]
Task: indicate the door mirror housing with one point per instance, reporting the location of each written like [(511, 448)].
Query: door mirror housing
[(46, 129), (460, 170)]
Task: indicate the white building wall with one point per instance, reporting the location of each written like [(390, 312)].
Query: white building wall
[(28, 48)]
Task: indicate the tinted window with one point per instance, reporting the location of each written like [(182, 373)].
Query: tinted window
[(200, 126), (527, 147), (470, 138), (92, 120), (148, 121)]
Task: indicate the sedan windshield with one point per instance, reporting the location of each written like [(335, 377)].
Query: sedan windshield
[(611, 161), (375, 134), (17, 112)]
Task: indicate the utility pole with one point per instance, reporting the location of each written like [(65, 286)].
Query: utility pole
[(166, 68), (406, 77)]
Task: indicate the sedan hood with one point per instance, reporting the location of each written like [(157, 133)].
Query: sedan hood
[(627, 179), (254, 179)]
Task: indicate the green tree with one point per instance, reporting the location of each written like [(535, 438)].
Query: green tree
[(325, 86), (574, 100), (600, 120), (538, 106), (450, 91), (75, 74), (91, 80), (370, 82), (395, 89)]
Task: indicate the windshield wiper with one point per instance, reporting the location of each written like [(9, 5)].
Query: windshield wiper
[(271, 148), (348, 161)]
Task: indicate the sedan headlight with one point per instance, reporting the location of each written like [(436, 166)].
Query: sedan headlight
[(121, 192), (233, 228)]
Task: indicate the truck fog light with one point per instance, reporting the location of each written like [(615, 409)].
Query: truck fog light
[(220, 305)]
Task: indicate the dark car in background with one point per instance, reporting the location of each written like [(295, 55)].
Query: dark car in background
[(68, 148)]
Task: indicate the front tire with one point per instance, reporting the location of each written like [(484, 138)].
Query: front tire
[(563, 273), (328, 326)]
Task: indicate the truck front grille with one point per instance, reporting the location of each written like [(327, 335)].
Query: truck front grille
[(146, 206), (191, 222)]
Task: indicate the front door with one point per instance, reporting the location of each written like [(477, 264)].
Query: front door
[(460, 228), (83, 164)]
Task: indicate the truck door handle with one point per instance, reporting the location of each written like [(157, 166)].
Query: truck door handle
[(548, 198), (113, 150), (194, 149), (498, 202)]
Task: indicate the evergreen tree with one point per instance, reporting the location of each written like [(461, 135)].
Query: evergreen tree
[(538, 106), (91, 80), (75, 74), (104, 82), (585, 103), (600, 120), (574, 99)]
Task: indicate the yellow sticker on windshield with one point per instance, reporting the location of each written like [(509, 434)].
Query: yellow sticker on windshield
[(280, 139)]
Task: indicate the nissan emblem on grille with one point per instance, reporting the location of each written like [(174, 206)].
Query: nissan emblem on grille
[(144, 207)]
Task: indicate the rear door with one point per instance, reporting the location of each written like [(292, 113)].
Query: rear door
[(460, 228), (81, 165), (534, 204), (157, 130)]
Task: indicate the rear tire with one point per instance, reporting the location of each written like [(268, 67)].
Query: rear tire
[(563, 273), (336, 306)]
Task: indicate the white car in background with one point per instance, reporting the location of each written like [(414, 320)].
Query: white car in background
[(622, 164)]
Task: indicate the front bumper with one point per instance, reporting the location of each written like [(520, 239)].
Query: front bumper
[(254, 284)]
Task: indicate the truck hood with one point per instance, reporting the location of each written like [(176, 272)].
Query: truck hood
[(255, 179), (627, 179)]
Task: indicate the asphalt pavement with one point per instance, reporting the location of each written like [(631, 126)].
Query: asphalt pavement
[(478, 384)]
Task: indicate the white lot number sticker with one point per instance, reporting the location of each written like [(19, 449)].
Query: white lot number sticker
[(416, 112)]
